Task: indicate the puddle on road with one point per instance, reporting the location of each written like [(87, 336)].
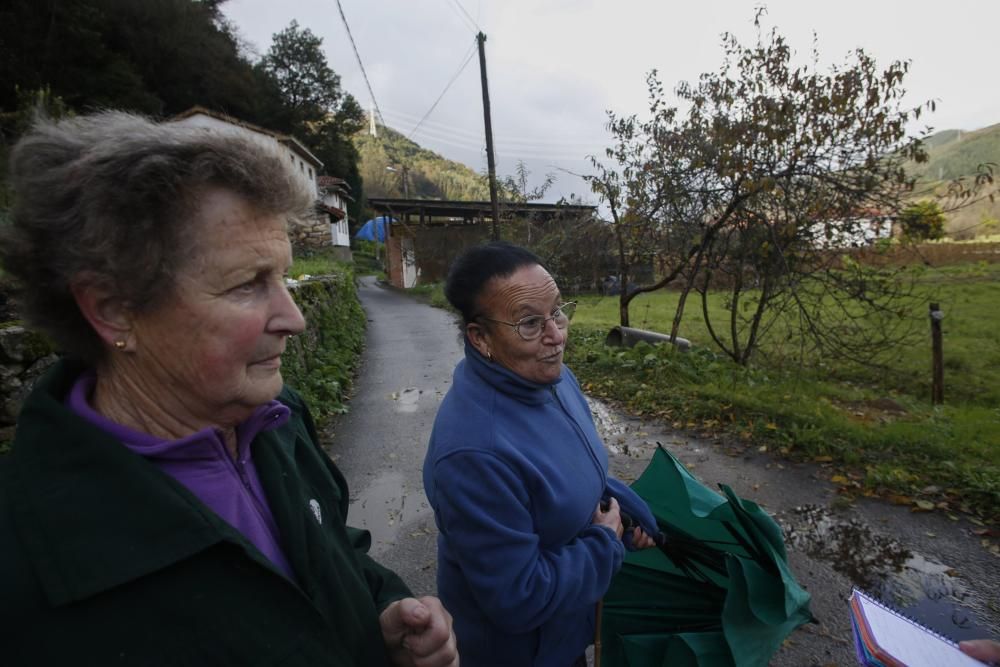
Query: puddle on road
[(385, 505), (611, 429), (624, 437), (406, 400), (928, 591), (931, 592)]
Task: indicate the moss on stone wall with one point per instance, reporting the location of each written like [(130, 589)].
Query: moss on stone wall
[(320, 363)]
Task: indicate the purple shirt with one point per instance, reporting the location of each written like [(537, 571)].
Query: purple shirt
[(202, 464)]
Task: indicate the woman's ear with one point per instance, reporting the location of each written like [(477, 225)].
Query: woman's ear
[(479, 337), (105, 311)]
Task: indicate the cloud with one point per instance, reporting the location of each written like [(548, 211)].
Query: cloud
[(555, 67)]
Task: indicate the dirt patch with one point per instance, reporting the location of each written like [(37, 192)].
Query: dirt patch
[(876, 410)]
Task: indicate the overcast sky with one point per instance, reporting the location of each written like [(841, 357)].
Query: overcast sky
[(556, 66)]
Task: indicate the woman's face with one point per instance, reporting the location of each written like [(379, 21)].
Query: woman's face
[(528, 291), (213, 350)]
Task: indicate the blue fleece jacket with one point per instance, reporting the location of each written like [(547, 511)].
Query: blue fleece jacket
[(514, 473)]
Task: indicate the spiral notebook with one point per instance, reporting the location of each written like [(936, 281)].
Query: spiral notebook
[(884, 637)]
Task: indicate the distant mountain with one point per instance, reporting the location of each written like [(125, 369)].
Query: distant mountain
[(428, 175), (954, 154)]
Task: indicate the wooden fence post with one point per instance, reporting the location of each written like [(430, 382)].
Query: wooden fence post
[(937, 366)]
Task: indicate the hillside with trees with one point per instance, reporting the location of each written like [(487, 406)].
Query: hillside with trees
[(384, 159), (954, 154)]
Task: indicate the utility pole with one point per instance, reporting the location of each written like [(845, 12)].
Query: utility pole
[(403, 176), (481, 38)]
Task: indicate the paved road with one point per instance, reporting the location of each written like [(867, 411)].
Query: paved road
[(411, 352), (929, 562)]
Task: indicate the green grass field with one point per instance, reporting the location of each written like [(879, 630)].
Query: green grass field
[(874, 427)]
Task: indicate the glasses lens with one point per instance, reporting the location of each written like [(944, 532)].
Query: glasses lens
[(565, 311), (531, 327)]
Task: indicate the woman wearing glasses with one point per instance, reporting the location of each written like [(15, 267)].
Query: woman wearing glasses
[(516, 474)]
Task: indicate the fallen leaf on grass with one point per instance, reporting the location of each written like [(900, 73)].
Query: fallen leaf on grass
[(823, 459), (840, 479), (922, 506), (896, 499)]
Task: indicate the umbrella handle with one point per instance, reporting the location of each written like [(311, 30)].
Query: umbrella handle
[(597, 633)]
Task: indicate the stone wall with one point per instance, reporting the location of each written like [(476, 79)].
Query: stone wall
[(24, 356), (319, 363), (314, 233)]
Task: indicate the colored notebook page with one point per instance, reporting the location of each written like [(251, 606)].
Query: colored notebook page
[(886, 637)]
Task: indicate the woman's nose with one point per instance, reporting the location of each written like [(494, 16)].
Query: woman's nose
[(287, 318), (552, 333)]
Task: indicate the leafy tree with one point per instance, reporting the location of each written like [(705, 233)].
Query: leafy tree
[(750, 190), (313, 106), (154, 57), (922, 221), (309, 89)]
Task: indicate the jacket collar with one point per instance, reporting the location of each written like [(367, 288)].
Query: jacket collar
[(506, 381), (91, 514)]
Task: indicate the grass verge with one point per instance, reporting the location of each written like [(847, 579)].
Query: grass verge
[(874, 427)]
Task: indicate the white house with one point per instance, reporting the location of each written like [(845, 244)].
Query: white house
[(327, 227), (335, 193), (864, 230)]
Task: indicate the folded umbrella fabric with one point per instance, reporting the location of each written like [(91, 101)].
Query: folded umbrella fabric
[(717, 593)]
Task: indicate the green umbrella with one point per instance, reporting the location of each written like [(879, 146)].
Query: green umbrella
[(717, 593)]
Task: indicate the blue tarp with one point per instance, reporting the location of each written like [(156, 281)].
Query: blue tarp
[(374, 226)]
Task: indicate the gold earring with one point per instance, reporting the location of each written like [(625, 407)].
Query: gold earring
[(119, 345)]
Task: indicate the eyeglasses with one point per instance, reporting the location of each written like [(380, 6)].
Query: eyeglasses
[(531, 327)]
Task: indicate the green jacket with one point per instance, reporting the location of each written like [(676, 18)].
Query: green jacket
[(106, 560)]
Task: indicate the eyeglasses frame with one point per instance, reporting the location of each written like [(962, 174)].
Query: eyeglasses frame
[(517, 325)]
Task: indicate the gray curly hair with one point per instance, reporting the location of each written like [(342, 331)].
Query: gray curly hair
[(111, 197)]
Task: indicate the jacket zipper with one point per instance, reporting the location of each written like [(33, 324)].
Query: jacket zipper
[(580, 434)]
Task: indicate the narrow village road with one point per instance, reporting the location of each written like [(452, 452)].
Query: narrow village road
[(380, 443), (933, 565)]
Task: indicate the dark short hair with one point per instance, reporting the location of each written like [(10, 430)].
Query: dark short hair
[(476, 267), (111, 197)]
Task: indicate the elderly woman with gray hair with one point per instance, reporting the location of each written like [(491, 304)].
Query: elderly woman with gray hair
[(166, 501)]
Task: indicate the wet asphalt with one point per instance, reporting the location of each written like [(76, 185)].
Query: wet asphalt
[(935, 567)]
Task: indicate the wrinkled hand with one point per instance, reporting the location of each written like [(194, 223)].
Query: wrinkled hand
[(986, 650), (418, 633), (640, 540), (611, 518)]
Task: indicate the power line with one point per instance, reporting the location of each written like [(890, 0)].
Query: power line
[(467, 16), (360, 64), (432, 128), (445, 136), (461, 69)]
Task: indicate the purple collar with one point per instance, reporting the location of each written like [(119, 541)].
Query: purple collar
[(202, 464)]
